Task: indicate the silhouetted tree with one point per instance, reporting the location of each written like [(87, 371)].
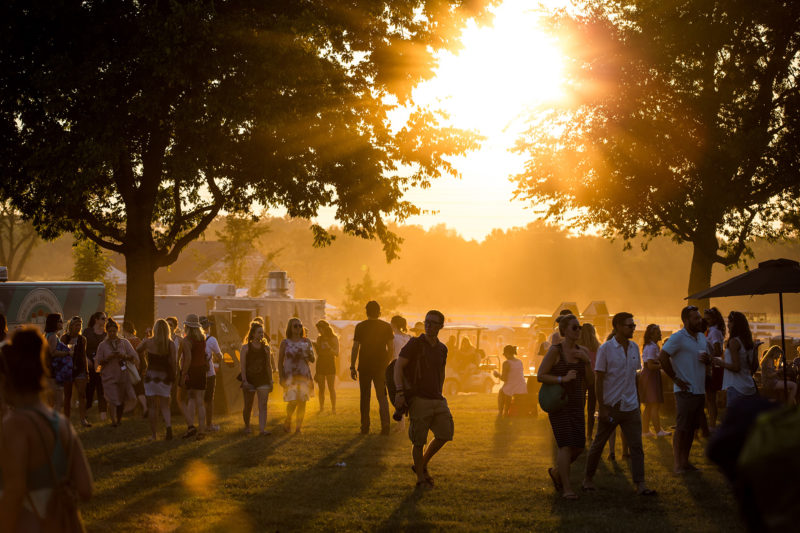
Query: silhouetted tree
[(17, 239), (683, 118), (136, 123), (92, 263), (357, 295)]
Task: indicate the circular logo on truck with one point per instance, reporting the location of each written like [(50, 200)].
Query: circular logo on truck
[(36, 305)]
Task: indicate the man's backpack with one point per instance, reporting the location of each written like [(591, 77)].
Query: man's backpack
[(62, 514), (410, 378)]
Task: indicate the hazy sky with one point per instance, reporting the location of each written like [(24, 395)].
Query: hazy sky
[(501, 70)]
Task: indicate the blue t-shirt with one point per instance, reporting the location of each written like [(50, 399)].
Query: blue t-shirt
[(683, 350)]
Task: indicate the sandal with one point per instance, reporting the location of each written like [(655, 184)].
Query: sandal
[(425, 473), (556, 482)]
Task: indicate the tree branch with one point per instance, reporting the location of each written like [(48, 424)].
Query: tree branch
[(87, 231), (101, 227)]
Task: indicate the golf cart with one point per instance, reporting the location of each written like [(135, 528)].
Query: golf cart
[(470, 372)]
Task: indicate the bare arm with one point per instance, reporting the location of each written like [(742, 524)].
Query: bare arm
[(243, 361), (14, 461), (550, 359), (80, 473), (281, 357), (400, 400), (354, 354), (666, 366)]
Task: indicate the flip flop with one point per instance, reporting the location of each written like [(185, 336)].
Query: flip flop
[(647, 492), (556, 483)]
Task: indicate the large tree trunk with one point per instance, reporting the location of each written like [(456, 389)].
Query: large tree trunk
[(703, 254), (140, 290)]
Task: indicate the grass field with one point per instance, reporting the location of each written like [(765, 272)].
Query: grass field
[(492, 477)]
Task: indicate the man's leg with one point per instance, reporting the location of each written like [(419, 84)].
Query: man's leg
[(604, 431), (331, 379), (418, 455), (631, 425), (383, 402), (364, 383)]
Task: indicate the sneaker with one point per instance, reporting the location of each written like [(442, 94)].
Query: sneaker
[(663, 433), (191, 432)]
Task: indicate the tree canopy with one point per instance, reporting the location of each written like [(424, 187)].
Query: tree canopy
[(682, 118), (136, 123)]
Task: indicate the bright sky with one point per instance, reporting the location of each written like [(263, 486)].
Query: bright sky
[(502, 69)]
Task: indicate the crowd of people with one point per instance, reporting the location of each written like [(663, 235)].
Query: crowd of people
[(45, 375), (700, 359)]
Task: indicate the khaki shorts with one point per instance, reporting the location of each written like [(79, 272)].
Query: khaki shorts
[(429, 415)]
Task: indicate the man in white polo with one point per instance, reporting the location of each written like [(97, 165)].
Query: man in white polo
[(618, 403)]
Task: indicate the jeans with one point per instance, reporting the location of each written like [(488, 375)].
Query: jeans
[(95, 383), (631, 424), (365, 381), (734, 395)]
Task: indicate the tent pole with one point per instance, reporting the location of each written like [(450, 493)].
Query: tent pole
[(783, 347)]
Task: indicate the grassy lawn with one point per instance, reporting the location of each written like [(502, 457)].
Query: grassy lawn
[(493, 476)]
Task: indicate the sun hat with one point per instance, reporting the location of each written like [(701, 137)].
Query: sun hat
[(192, 321)]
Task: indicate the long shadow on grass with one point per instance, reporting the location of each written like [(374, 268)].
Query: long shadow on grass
[(405, 517), (166, 478), (506, 432), (323, 487)]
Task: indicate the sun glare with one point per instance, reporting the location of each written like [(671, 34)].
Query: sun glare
[(502, 70)]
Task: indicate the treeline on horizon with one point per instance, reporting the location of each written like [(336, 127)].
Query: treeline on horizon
[(516, 271)]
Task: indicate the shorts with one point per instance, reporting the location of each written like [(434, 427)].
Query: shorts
[(211, 383), (429, 415), (689, 410), (196, 378)]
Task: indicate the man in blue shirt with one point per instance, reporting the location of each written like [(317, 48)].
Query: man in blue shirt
[(615, 384), (684, 358)]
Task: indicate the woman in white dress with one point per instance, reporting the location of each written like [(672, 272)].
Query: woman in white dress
[(513, 378), (295, 355)]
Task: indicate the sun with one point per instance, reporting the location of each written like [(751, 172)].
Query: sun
[(502, 70)]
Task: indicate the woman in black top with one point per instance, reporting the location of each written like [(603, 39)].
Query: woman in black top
[(95, 333), (327, 348), (256, 376), (80, 369), (569, 365)]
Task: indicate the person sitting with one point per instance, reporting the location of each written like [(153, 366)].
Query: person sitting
[(38, 444), (772, 380)]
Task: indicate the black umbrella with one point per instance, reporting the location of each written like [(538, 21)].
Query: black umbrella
[(776, 276)]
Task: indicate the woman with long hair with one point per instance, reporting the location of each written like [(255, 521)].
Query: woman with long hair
[(37, 442), (588, 339), (255, 362), (113, 357), (59, 359), (568, 365), (327, 348), (772, 380), (194, 367), (95, 333), (716, 341), (737, 381), (80, 368), (161, 356), (652, 392), (294, 357)]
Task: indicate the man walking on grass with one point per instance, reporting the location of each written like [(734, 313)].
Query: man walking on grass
[(615, 384), (684, 358), (372, 347), (421, 363)]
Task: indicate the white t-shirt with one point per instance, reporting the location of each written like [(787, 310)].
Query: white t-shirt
[(650, 352), (715, 336), (400, 340), (212, 347)]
